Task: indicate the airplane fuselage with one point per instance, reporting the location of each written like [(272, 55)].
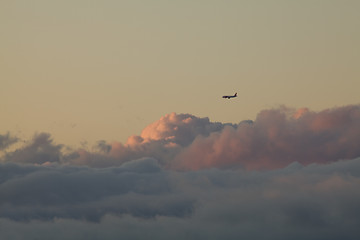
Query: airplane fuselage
[(228, 97)]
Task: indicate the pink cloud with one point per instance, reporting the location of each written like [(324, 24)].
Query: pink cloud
[(300, 112), (178, 128), (278, 138), (275, 139)]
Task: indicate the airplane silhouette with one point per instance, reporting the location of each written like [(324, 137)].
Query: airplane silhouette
[(228, 97)]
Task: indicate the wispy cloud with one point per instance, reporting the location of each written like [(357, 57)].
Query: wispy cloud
[(6, 140), (40, 150)]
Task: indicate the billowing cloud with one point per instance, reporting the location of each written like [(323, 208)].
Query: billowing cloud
[(277, 138), (180, 129), (162, 140), (294, 174)]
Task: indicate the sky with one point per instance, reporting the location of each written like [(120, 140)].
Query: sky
[(113, 125), (104, 70)]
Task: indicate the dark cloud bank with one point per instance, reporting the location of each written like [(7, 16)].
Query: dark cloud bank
[(289, 174)]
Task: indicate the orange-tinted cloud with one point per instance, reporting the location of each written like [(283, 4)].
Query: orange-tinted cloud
[(275, 140)]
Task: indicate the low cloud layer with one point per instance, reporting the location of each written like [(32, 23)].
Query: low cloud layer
[(140, 199), (294, 174)]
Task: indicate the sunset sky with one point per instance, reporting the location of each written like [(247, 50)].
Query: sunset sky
[(113, 125), (103, 70)]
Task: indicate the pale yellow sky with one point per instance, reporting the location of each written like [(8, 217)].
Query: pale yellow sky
[(92, 70)]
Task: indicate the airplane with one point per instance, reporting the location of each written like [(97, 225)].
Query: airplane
[(228, 97)]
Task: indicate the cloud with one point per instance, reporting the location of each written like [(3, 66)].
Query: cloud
[(277, 138), (40, 150), (141, 199), (102, 146), (294, 174), (138, 188), (161, 140), (7, 140), (180, 129)]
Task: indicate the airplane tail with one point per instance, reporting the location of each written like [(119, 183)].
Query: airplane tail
[(235, 95)]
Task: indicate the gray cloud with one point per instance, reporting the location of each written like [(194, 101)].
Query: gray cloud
[(140, 199), (102, 146), (40, 150), (79, 192), (7, 140)]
